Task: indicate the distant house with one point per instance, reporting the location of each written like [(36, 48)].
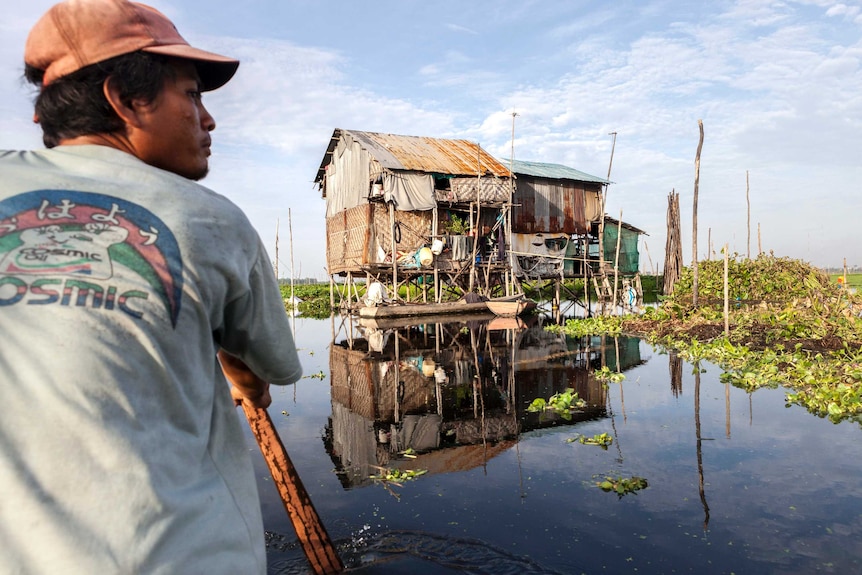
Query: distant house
[(555, 209), (629, 256)]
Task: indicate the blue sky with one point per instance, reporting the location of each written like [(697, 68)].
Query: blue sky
[(778, 85)]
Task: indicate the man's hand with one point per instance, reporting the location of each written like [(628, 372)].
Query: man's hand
[(245, 385)]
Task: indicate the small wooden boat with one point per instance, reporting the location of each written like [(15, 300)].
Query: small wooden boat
[(413, 320), (421, 309), (511, 306)]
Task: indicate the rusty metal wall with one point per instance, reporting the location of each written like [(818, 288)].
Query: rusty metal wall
[(552, 206)]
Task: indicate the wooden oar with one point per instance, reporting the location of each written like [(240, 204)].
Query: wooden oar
[(313, 538)]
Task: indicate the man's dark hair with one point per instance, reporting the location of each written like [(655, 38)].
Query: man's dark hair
[(75, 105)]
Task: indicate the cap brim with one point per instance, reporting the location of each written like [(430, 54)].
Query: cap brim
[(214, 70)]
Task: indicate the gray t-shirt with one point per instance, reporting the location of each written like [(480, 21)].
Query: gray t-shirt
[(120, 448)]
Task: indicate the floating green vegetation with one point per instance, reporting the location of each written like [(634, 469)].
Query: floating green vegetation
[(789, 325), (319, 375), (409, 453), (564, 404), (391, 477), (603, 440), (314, 299), (398, 476), (621, 485), (598, 325)]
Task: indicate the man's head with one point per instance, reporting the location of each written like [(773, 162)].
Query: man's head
[(104, 65)]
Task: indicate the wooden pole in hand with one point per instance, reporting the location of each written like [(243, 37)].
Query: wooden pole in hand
[(312, 535)]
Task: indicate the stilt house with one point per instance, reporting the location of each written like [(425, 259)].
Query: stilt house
[(559, 231), (555, 213), (407, 210)]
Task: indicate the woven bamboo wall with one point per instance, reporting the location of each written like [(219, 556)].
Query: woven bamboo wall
[(361, 236), (415, 397), (491, 190), (351, 379), (415, 228), (367, 387), (348, 239)]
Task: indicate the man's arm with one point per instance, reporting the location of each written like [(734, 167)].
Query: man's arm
[(245, 385)]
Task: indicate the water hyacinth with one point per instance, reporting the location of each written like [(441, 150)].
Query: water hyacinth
[(789, 326)]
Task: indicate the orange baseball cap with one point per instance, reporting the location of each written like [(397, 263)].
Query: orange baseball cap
[(77, 33)]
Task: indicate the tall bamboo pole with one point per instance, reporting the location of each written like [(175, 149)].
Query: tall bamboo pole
[(603, 200), (748, 218), (617, 258), (292, 300), (394, 252), (726, 294), (275, 264), (515, 283), (694, 266)]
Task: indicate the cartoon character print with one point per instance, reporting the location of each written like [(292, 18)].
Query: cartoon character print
[(67, 251), (63, 247)]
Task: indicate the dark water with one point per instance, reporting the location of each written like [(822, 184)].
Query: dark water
[(737, 482)]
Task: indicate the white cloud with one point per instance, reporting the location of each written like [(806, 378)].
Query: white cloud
[(778, 85)]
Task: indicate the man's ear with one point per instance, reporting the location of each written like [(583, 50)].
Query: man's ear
[(129, 113)]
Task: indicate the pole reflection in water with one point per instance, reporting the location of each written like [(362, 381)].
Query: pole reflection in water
[(454, 395)]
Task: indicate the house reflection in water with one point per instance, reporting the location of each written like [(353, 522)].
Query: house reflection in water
[(456, 393)]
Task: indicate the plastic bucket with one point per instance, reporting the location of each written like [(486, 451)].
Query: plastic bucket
[(426, 258)]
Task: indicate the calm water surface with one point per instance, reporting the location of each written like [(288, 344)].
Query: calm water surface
[(738, 483)]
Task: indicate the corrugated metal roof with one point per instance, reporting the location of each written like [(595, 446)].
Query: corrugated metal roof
[(432, 155), (553, 172), (609, 221)]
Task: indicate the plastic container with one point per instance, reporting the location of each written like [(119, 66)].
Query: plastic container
[(426, 257)]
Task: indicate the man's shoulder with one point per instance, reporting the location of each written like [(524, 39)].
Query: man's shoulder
[(94, 163), (108, 171)]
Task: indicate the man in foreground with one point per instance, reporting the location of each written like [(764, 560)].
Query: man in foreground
[(121, 281)]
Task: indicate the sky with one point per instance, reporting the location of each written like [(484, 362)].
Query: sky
[(777, 85)]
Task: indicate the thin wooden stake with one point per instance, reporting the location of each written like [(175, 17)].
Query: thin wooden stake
[(759, 248), (709, 244), (694, 266), (844, 279), (617, 258), (646, 248), (292, 297), (748, 218), (726, 295)]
